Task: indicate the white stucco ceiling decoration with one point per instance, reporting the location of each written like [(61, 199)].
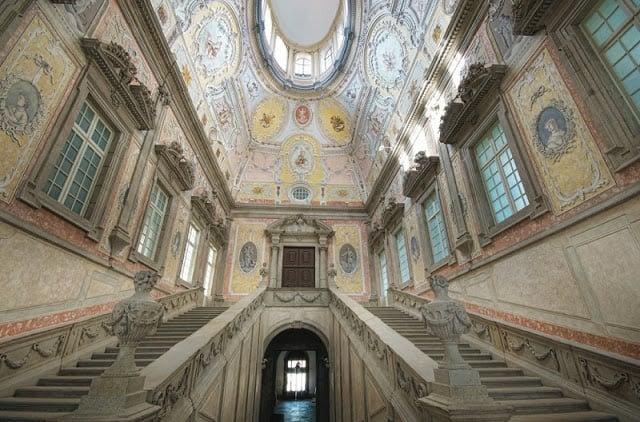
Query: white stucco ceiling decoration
[(352, 123), (386, 55), (217, 45), (305, 23)]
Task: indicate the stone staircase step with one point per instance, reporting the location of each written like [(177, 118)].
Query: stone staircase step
[(486, 363), (52, 391), (473, 356), (515, 393), (588, 416), (522, 381), (551, 405), (105, 363), (151, 349), (500, 372), (138, 356), (40, 404), (55, 380), (86, 371), (32, 416)]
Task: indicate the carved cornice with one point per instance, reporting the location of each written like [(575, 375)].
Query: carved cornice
[(115, 64), (392, 213), (205, 206), (182, 169), (477, 84), (298, 225), (419, 177), (529, 16), (220, 232), (376, 235)]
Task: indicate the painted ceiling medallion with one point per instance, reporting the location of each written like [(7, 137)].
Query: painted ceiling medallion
[(334, 121), (386, 55), (301, 158), (302, 115), (268, 118), (218, 45)]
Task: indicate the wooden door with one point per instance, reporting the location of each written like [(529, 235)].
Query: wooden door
[(298, 267)]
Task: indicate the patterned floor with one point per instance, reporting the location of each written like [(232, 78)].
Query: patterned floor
[(295, 411)]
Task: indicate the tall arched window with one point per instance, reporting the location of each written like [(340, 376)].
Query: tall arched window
[(296, 367)]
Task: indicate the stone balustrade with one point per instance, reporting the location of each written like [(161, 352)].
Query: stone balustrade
[(24, 358), (607, 381), (397, 365)]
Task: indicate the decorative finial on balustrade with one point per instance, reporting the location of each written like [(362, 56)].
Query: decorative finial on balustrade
[(332, 273), (447, 319), (264, 273), (456, 393), (119, 392), (133, 319)]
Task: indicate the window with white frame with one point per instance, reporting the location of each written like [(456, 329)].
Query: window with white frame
[(209, 271), (403, 261), (153, 222), (303, 65), (384, 278), (190, 253), (504, 189), (75, 173), (613, 26), (436, 228)]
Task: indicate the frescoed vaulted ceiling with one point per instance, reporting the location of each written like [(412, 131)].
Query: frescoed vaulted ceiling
[(270, 139)]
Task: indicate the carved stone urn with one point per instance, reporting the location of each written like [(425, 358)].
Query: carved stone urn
[(133, 319), (118, 394), (447, 319)]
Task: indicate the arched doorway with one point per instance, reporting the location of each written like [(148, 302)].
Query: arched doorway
[(295, 367)]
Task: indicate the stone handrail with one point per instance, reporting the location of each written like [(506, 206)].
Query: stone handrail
[(46, 349), (172, 379), (392, 359), (611, 382)]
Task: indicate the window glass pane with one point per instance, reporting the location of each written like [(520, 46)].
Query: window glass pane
[(74, 175), (190, 249), (152, 225), (402, 257), (502, 183), (436, 228), (209, 271), (384, 279), (614, 31), (280, 53)]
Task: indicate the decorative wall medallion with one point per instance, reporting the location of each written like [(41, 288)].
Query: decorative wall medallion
[(218, 45), (302, 115), (348, 258), (415, 248), (301, 159), (248, 257), (386, 55), (20, 107), (554, 131)]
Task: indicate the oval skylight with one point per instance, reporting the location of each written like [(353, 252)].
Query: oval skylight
[(304, 43), (304, 23)]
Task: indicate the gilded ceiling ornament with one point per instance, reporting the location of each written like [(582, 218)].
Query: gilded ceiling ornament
[(302, 114)]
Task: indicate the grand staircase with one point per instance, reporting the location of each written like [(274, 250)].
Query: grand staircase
[(530, 399), (58, 394)]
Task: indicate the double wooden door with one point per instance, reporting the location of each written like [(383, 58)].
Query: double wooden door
[(298, 267)]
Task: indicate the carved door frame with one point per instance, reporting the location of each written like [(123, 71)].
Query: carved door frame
[(298, 231)]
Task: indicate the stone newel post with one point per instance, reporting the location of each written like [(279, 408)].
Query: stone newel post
[(447, 320), (118, 394), (456, 392), (133, 319)]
